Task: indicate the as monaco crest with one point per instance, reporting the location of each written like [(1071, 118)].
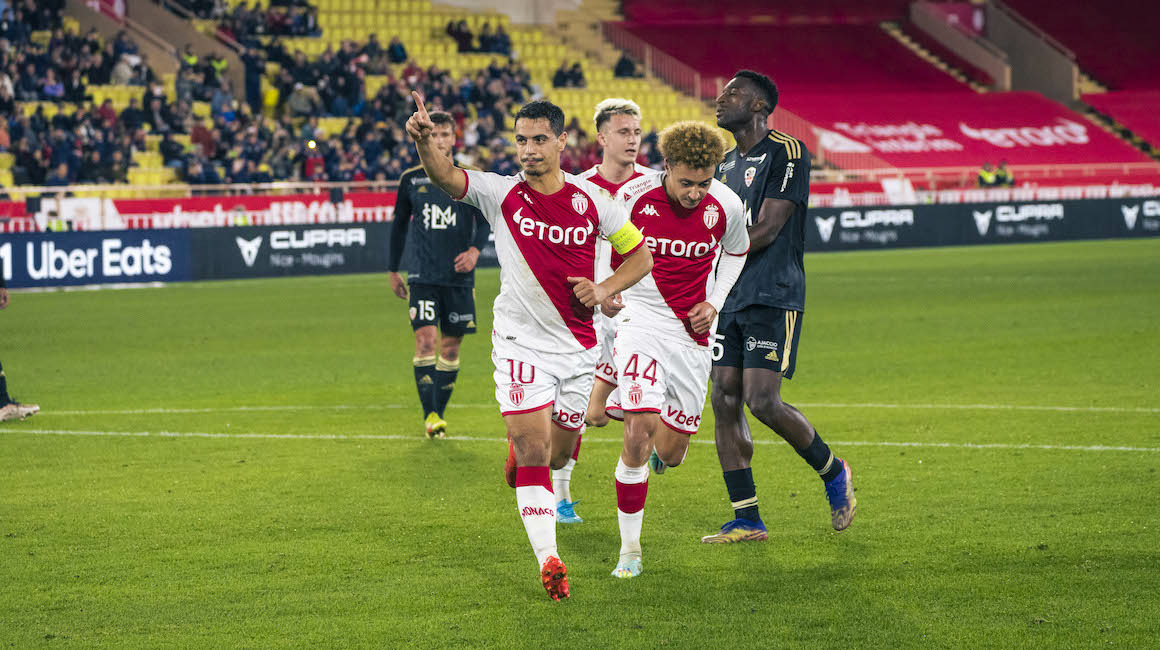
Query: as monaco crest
[(711, 215), (750, 174), (579, 203), (634, 395), (516, 393)]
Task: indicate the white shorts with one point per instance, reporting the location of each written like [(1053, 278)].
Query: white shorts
[(605, 336), (661, 376), (529, 380)]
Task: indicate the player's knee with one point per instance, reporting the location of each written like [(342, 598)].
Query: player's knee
[(450, 349), (765, 405), (596, 418), (531, 449), (725, 400), (425, 344)]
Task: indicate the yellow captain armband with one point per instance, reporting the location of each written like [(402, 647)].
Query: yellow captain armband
[(625, 239)]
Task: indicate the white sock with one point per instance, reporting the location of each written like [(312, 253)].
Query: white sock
[(631, 481), (537, 507), (562, 481)]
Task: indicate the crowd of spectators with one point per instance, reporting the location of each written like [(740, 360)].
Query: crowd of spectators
[(493, 42), (236, 142), (569, 76), (245, 25)]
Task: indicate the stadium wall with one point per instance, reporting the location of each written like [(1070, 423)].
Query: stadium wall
[(965, 224)]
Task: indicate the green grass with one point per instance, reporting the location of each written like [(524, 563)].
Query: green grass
[(357, 540)]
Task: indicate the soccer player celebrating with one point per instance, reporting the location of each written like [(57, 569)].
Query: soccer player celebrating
[(618, 134), (761, 321), (546, 223), (689, 221), (441, 275), (10, 409)]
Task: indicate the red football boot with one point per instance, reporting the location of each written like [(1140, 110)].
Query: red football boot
[(555, 577)]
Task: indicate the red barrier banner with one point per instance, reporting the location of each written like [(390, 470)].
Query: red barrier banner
[(198, 212), (958, 129)]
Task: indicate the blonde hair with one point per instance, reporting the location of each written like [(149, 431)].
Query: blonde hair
[(615, 106), (693, 144)]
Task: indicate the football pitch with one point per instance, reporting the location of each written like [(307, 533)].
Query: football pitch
[(242, 463)]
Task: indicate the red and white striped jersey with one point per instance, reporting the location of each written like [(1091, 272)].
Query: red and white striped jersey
[(541, 240), (685, 245)]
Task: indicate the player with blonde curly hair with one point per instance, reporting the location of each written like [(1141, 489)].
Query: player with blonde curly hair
[(695, 227)]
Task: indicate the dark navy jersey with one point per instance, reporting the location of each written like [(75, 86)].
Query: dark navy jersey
[(443, 228), (778, 167)]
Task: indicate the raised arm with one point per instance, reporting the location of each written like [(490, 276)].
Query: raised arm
[(442, 172)]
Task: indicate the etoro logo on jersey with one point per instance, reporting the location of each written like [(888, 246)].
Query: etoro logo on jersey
[(436, 218), (529, 226)]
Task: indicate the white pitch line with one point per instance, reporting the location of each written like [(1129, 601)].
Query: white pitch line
[(416, 438), (380, 407)]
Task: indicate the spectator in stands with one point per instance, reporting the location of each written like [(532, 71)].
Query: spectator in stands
[(255, 67), (1003, 176), (396, 53), (576, 76), (987, 177), (59, 177), (158, 117), (502, 42), (172, 151), (625, 67), (122, 71), (74, 88), (560, 77), (199, 174), (462, 35), (486, 39)]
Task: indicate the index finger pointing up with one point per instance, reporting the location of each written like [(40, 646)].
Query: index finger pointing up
[(422, 110)]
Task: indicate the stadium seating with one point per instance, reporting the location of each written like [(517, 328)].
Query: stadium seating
[(1114, 41), (1139, 111), (805, 58), (958, 129), (762, 11)]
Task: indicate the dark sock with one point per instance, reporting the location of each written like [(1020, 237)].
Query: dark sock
[(819, 456), (425, 382), (445, 374), (4, 399), (742, 493)]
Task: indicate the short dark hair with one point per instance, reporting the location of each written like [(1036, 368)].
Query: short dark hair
[(542, 109), (766, 89), (441, 117)]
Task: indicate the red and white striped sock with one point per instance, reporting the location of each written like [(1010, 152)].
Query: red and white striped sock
[(537, 507), (631, 491)]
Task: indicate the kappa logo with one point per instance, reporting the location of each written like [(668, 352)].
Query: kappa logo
[(516, 393), (649, 210), (249, 249), (982, 221), (750, 174), (825, 227), (526, 197), (579, 203), (712, 215)]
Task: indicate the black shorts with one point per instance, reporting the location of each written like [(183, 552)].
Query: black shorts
[(758, 337), (451, 308)]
